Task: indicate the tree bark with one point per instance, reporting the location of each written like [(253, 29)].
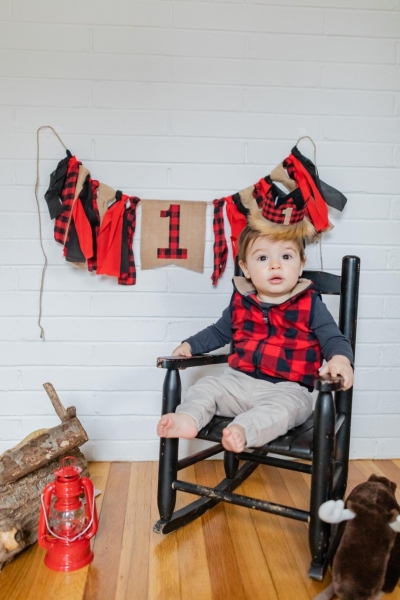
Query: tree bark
[(26, 458)]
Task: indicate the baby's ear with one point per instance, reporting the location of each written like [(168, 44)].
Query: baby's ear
[(243, 266)]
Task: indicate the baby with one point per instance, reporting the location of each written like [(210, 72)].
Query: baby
[(281, 331)]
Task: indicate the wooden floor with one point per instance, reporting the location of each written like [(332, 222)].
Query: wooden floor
[(231, 553)]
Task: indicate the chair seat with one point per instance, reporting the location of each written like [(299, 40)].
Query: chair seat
[(297, 442)]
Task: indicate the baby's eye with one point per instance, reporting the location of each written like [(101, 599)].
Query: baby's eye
[(262, 257), (287, 256)]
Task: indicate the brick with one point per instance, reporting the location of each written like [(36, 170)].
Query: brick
[(22, 403), (376, 24), (21, 146), (393, 259), (93, 378), (362, 448), (332, 254), (363, 231), (155, 14), (386, 283), (38, 36), (30, 92), (392, 307), (364, 4), (169, 42), (7, 124), (48, 353), (382, 426), (368, 355), (365, 403), (379, 331), (7, 279), (25, 63), (128, 403), (7, 172), (318, 101), (389, 448), (329, 154), (322, 48), (198, 283), (395, 208), (121, 428), (388, 403), (367, 206), (125, 354), (98, 121), (9, 329), (362, 77), (10, 429), (360, 129), (170, 305), (117, 67), (248, 72), (242, 125), (26, 303), (178, 150), (163, 96), (9, 379), (6, 10), (391, 355), (377, 379), (247, 18), (124, 450)]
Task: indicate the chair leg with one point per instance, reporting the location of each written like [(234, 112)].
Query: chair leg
[(231, 464), (168, 464), (321, 482)]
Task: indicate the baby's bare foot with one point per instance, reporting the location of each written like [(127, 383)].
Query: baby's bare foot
[(177, 425), (234, 438)]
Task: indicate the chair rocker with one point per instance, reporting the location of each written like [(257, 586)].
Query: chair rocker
[(320, 446)]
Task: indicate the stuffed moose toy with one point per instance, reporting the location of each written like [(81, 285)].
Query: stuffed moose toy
[(366, 547)]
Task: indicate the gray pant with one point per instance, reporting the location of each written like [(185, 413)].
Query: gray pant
[(265, 410)]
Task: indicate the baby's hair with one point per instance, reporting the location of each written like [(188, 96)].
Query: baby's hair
[(249, 235)]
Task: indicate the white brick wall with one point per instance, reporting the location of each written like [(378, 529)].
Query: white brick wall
[(188, 100)]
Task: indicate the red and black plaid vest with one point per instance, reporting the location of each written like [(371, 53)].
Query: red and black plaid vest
[(277, 342)]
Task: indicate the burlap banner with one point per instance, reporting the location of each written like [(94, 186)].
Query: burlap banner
[(173, 233)]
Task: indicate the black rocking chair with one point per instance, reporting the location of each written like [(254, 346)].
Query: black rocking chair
[(320, 446)]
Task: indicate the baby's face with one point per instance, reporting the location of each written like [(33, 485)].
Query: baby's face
[(273, 267)]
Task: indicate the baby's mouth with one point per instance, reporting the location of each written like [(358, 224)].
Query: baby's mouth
[(276, 280)]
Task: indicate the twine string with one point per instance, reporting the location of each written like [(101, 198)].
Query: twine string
[(40, 220)]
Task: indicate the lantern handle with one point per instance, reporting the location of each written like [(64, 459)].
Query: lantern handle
[(71, 458)]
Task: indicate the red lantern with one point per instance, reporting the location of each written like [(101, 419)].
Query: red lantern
[(66, 521)]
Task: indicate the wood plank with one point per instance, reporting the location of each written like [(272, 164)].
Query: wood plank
[(283, 487), (134, 563), (194, 576), (254, 573), (103, 571), (163, 555), (278, 553), (222, 563), (99, 472)]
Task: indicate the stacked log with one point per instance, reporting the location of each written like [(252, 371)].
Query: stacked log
[(27, 468)]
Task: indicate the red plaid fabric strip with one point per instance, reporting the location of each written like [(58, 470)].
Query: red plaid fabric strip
[(67, 198), (173, 250), (220, 245), (92, 262), (130, 277)]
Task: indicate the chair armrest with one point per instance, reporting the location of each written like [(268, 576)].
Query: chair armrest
[(327, 383), (183, 362)]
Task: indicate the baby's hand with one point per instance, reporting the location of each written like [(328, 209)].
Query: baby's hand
[(183, 350), (339, 365)]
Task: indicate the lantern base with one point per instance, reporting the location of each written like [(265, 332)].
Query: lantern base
[(69, 557)]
